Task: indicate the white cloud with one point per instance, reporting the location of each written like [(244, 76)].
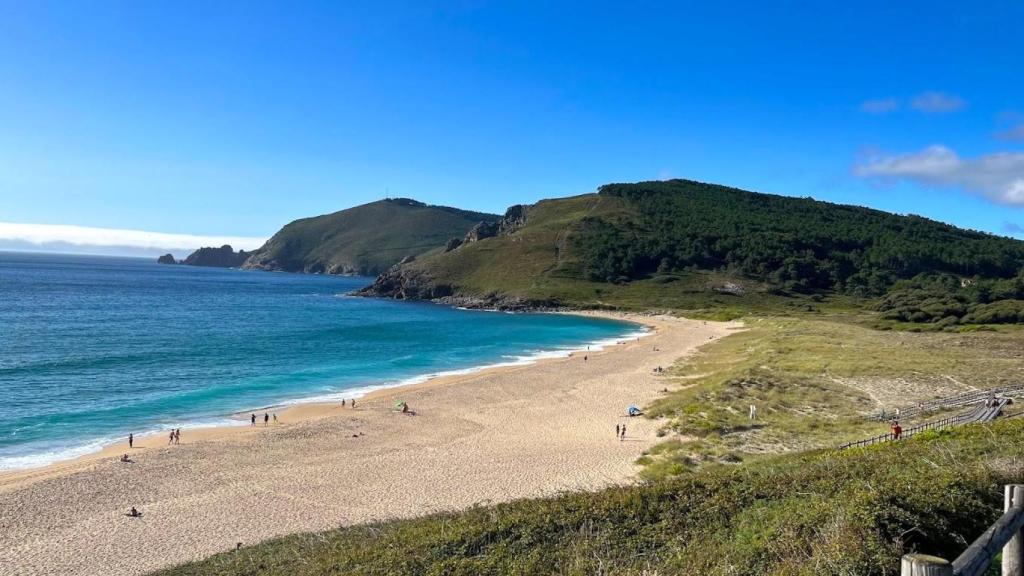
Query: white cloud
[(44, 236), (880, 105), (998, 177), (937, 103), (1015, 133)]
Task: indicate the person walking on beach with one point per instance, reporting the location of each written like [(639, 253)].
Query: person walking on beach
[(177, 435), (266, 419), (252, 420), (617, 431), (170, 439), (623, 436), (353, 403), (584, 357), (275, 417), (131, 440), (342, 402)]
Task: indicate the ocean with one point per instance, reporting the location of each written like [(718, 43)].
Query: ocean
[(93, 348)]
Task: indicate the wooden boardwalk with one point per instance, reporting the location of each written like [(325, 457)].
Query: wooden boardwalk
[(958, 401), (983, 413)]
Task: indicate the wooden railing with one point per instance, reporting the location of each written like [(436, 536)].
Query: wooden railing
[(984, 413), (908, 432), (1006, 535)]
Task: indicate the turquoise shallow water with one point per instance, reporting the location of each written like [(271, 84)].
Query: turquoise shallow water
[(92, 348)]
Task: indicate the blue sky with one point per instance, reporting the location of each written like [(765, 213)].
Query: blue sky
[(231, 119)]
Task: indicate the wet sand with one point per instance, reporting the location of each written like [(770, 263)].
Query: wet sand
[(491, 436)]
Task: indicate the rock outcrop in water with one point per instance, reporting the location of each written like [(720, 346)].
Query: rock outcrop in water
[(166, 259), (223, 257)]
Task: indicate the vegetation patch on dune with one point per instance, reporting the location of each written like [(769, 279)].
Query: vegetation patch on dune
[(816, 381)]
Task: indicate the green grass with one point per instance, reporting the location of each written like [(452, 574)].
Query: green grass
[(826, 512), (815, 381)]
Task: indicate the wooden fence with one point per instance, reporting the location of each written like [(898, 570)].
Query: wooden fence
[(908, 432), (1006, 535), (983, 413)]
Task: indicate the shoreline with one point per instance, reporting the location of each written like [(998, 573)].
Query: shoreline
[(492, 436), (315, 406)]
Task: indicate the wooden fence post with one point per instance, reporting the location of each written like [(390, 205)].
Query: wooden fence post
[(924, 565), (1013, 552)]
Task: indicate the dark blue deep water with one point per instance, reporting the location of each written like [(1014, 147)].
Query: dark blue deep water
[(92, 348)]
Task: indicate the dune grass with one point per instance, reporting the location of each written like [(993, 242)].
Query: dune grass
[(816, 381), (824, 512)]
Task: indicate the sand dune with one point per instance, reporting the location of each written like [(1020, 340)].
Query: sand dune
[(493, 436)]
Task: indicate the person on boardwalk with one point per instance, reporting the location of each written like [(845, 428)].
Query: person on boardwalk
[(131, 440), (623, 435), (266, 419), (897, 430), (252, 420)]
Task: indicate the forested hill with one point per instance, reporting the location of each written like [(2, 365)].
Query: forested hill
[(691, 236), (364, 240), (796, 244)]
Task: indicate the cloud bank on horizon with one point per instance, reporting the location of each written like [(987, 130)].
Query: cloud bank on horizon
[(54, 237)]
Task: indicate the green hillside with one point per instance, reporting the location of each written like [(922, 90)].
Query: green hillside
[(689, 245), (825, 512), (364, 240)]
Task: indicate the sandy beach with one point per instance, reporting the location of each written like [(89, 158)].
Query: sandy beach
[(496, 435)]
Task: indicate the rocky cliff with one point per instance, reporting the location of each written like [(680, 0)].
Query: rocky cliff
[(412, 279)]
